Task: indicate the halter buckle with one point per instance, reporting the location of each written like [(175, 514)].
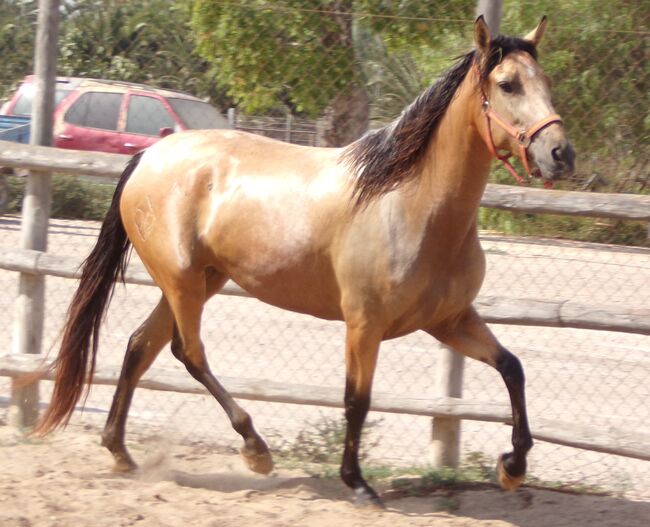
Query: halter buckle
[(523, 138)]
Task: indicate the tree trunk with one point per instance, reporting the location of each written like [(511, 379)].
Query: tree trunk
[(345, 119)]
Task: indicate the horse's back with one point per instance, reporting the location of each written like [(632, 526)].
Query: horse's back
[(260, 211)]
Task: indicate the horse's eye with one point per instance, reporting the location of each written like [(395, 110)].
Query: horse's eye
[(506, 86)]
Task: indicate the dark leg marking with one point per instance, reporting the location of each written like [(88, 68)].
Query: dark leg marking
[(255, 451), (356, 410), (114, 430), (512, 372)]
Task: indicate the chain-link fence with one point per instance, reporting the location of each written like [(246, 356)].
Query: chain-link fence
[(322, 72)]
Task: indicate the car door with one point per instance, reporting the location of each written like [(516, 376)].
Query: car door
[(90, 122), (148, 119)]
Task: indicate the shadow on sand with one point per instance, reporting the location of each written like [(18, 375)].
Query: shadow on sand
[(527, 507)]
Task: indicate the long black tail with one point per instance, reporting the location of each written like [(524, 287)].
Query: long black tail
[(75, 363)]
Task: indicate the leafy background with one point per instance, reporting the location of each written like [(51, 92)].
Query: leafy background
[(314, 58)]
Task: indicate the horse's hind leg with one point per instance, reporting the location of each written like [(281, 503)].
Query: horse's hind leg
[(186, 299), (471, 336), (144, 346)]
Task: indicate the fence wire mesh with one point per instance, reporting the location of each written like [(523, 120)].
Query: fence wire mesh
[(321, 73)]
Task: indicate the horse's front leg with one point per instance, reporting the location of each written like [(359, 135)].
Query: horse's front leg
[(362, 347), (470, 336)]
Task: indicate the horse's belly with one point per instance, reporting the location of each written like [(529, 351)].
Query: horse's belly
[(294, 290), (282, 264)]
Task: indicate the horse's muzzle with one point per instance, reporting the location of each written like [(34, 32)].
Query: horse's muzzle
[(563, 156), (553, 158)]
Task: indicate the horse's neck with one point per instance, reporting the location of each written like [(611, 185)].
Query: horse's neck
[(458, 160), (456, 165)]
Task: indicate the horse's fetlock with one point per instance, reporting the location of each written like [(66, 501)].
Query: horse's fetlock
[(106, 440), (242, 423), (523, 445), (351, 476)]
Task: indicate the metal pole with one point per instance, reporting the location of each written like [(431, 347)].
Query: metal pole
[(30, 305), (491, 10)]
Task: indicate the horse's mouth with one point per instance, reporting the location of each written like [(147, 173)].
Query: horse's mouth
[(547, 181)]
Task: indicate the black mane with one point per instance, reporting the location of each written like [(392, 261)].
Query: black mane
[(383, 159)]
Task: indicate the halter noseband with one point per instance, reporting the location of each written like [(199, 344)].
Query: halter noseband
[(524, 137)]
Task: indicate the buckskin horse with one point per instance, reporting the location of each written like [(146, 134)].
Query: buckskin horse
[(381, 234)]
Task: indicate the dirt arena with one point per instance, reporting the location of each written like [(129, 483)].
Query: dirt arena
[(599, 378), (65, 481)]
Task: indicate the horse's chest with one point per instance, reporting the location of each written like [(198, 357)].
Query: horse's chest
[(439, 285)]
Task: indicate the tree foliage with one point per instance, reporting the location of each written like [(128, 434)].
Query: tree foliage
[(270, 53), (303, 53), (17, 33), (141, 41), (146, 41)]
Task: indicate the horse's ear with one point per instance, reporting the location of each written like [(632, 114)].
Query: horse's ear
[(482, 36), (535, 36)]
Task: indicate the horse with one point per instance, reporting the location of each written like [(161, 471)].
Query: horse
[(381, 234)]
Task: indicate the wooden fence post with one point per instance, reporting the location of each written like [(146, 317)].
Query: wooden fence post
[(288, 127), (30, 305), (232, 118), (445, 432)]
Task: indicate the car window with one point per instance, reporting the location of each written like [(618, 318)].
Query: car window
[(25, 100), (147, 115), (197, 114), (95, 110)]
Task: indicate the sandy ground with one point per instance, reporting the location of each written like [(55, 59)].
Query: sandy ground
[(592, 377), (64, 481)]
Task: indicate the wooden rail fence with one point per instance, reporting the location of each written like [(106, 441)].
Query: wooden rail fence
[(448, 408)]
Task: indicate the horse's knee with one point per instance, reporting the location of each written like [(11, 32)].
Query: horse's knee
[(356, 406), (356, 413)]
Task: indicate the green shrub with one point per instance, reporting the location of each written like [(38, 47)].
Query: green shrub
[(72, 197), (597, 230)]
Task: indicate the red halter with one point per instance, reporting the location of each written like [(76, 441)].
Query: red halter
[(524, 137)]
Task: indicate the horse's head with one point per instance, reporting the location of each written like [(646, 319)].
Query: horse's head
[(517, 113)]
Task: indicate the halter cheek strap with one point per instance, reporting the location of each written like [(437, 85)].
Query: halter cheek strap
[(524, 138)]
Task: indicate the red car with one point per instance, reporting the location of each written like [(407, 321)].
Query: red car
[(115, 116)]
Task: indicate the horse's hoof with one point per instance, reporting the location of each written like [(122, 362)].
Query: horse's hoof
[(506, 480), (260, 462), (368, 499), (124, 466)]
